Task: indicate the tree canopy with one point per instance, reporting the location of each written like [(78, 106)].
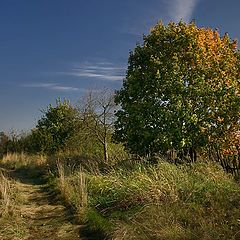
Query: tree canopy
[(181, 90), (57, 125)]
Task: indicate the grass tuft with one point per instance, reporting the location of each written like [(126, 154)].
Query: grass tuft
[(5, 194), (73, 187)]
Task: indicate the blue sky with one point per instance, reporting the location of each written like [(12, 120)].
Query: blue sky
[(61, 48)]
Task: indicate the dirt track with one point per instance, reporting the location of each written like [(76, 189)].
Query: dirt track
[(41, 215)]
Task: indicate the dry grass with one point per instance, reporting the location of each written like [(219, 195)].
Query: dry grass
[(5, 194), (11, 223), (73, 187), (162, 201), (16, 160), (29, 212)]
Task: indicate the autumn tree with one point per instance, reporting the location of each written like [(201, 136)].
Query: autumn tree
[(181, 90)]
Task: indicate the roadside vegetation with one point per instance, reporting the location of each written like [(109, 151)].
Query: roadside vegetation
[(11, 223), (158, 159), (163, 201), (6, 194)]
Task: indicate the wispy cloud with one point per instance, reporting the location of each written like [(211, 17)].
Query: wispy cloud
[(181, 9), (100, 70), (52, 86), (165, 10)]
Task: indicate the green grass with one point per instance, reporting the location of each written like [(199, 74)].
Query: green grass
[(163, 201)]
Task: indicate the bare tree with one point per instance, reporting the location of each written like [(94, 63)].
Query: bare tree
[(97, 113)]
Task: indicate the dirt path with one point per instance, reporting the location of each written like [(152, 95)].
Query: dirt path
[(42, 215)]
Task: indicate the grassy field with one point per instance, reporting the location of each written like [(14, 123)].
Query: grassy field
[(136, 200), (162, 201)]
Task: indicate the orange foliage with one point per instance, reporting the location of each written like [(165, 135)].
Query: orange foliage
[(232, 145)]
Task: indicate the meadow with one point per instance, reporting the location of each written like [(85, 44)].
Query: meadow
[(138, 200)]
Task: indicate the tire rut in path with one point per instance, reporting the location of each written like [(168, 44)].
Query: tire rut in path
[(42, 212)]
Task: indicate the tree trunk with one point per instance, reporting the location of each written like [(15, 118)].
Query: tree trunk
[(105, 151)]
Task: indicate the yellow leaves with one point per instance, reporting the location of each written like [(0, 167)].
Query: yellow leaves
[(220, 119), (203, 129), (235, 44), (228, 82), (231, 144), (212, 47)]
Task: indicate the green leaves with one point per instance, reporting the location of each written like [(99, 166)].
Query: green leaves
[(181, 90), (58, 124)]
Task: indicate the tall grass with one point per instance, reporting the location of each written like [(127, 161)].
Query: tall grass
[(5, 194), (16, 160), (73, 187), (165, 202), (12, 223)]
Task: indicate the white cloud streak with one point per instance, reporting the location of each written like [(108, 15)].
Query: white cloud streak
[(52, 86), (101, 71), (165, 10), (181, 9)]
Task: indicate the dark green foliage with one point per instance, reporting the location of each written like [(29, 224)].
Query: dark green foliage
[(3, 143), (13, 142), (56, 127)]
